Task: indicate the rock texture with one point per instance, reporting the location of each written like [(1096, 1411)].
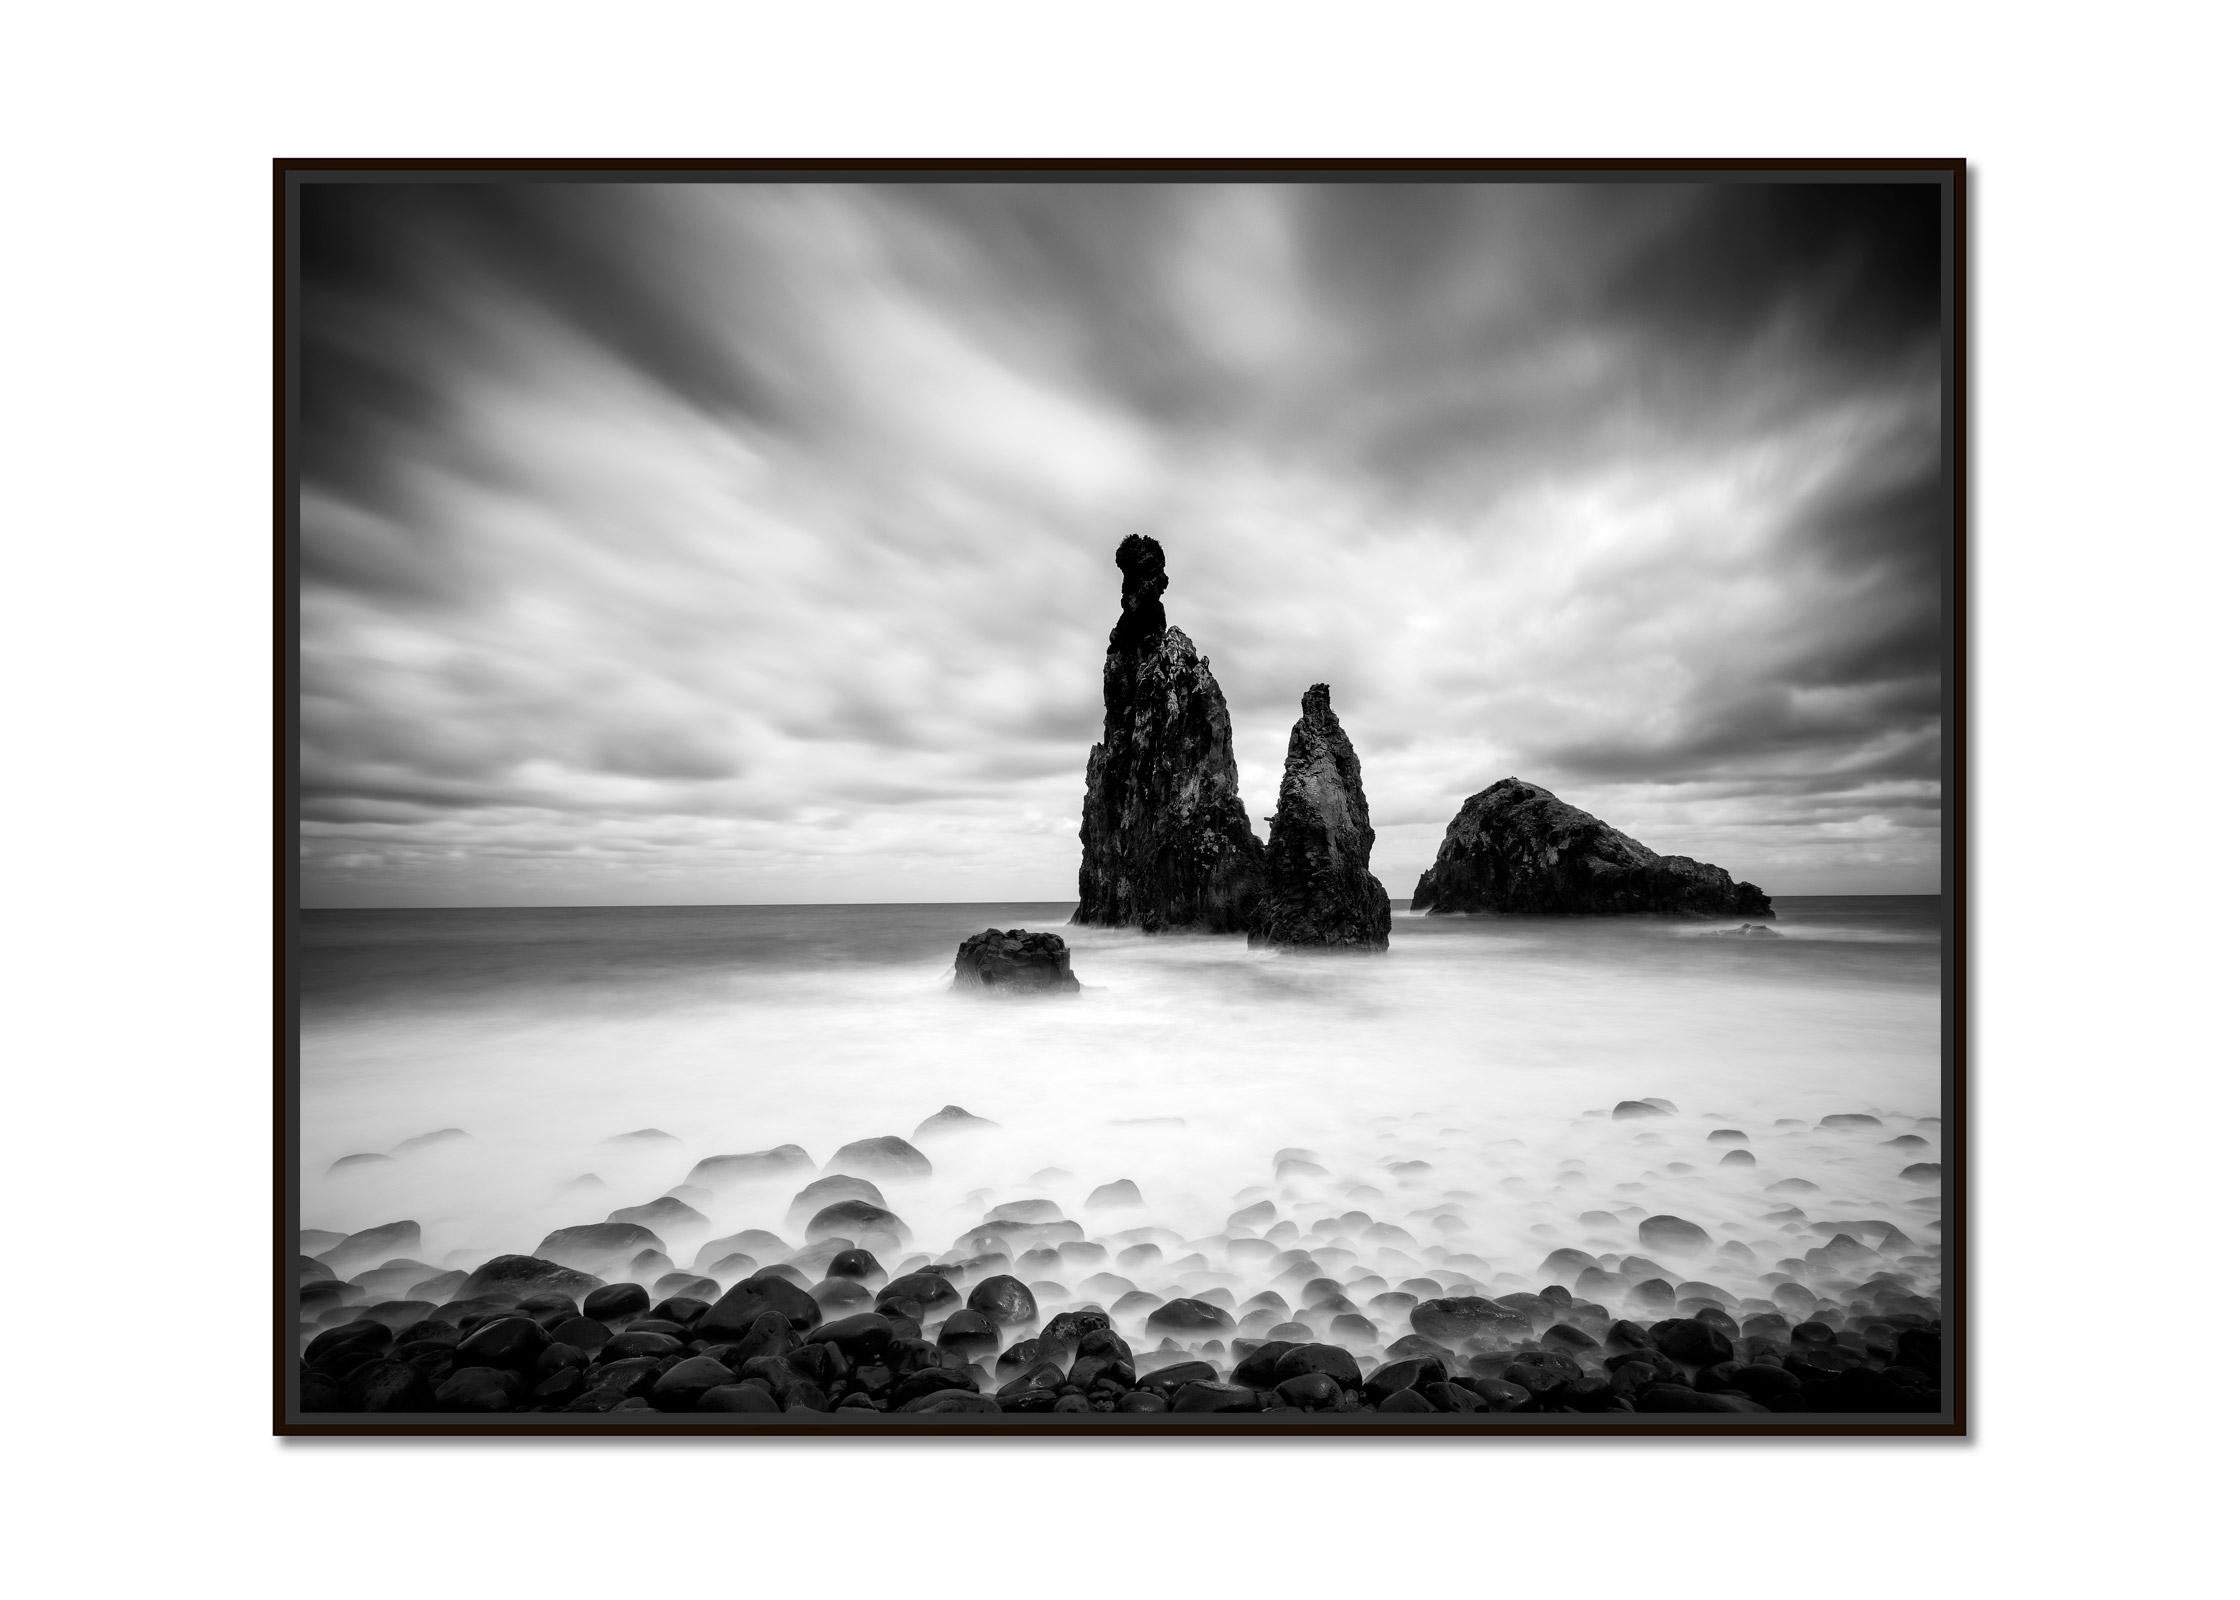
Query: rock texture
[(1319, 892), (1517, 848), (1165, 842), (1017, 962)]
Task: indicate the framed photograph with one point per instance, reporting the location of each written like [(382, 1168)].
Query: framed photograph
[(1167, 797)]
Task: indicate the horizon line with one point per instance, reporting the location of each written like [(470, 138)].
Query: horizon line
[(808, 905)]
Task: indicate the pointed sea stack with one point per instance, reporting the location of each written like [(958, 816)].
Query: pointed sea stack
[(1517, 848), (1320, 893), (1165, 842)]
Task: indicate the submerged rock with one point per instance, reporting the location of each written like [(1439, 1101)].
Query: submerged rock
[(369, 1246), (824, 1192), (422, 1141), (887, 1156), (1165, 842), (1017, 962), (860, 1221), (1319, 890), (750, 1165), (523, 1275), (952, 1119), (597, 1246), (1516, 848)]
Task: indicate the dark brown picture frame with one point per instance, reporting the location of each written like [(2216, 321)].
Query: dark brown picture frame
[(1951, 178)]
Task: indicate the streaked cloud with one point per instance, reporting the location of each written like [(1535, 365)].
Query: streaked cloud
[(731, 543)]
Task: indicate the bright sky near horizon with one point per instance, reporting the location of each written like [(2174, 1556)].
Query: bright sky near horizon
[(753, 543)]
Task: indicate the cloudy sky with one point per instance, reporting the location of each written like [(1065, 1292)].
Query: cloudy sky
[(708, 543)]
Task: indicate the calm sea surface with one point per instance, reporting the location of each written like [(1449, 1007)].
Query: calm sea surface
[(588, 955), (1491, 1048)]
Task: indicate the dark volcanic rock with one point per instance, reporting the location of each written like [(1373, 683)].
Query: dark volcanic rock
[(750, 1165), (371, 1245), (1165, 842), (666, 1212), (751, 1298), (1189, 1316), (522, 1275), (754, 1243), (1457, 1317), (1319, 892), (1003, 1298), (421, 1141), (857, 1220), (888, 1156), (1676, 1234), (617, 1300), (1017, 962), (598, 1246), (1517, 848), (951, 1119), (829, 1191)]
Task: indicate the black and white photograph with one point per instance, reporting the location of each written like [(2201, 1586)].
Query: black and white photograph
[(1122, 799)]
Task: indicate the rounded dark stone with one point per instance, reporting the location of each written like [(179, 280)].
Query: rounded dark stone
[(1004, 1300), (358, 1339), (930, 1290), (624, 1345), (1454, 1318), (1676, 1235), (616, 1301), (885, 1156), (681, 1386), (1196, 1397), (1311, 1391), (969, 1332), (666, 1212), (1338, 1364), (736, 1397), (1395, 1376), (1190, 1316), (1692, 1343), (841, 1297), (1170, 1378), (478, 1389), (748, 1166), (860, 1264), (520, 1275), (513, 1343), (751, 1298), (858, 1220)]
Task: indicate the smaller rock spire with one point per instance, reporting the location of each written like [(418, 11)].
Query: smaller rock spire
[(1320, 892)]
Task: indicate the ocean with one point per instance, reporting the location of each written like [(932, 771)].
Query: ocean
[(1458, 1088)]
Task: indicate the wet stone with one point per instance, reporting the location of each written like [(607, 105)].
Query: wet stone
[(1190, 1316)]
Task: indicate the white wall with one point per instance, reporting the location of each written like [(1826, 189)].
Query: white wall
[(138, 505)]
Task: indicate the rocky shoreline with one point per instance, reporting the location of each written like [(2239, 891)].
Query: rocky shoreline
[(1302, 1304)]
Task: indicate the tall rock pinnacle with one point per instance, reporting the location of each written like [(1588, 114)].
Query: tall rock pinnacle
[(1320, 893), (1165, 842)]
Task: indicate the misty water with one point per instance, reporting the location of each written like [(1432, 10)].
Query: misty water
[(1458, 1089)]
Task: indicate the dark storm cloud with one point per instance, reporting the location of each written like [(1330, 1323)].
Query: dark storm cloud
[(758, 538)]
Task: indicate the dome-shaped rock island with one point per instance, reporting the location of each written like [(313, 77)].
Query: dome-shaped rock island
[(1516, 848)]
